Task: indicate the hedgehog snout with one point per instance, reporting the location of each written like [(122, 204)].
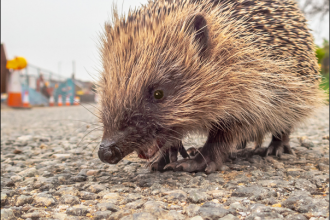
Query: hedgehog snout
[(109, 152)]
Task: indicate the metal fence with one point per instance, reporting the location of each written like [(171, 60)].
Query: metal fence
[(42, 84), (31, 75)]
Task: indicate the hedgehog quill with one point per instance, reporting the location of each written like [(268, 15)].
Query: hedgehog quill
[(234, 70)]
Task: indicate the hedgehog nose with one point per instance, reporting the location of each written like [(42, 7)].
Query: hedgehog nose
[(109, 152), (107, 144)]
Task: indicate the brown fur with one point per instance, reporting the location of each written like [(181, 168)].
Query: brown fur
[(249, 71)]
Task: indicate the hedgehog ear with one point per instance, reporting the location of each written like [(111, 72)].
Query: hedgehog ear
[(197, 26)]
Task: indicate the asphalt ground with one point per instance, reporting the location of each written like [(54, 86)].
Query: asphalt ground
[(50, 170)]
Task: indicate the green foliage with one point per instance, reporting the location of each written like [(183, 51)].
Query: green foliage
[(325, 85), (322, 54)]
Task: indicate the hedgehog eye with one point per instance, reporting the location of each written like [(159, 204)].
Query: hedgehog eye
[(158, 94)]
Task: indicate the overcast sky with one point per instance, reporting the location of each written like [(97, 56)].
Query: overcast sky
[(52, 33)]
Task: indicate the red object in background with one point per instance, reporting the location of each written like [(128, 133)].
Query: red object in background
[(50, 91)]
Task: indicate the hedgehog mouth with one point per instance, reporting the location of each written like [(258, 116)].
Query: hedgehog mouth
[(151, 151)]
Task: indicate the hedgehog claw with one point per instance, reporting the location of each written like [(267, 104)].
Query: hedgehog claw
[(170, 157), (277, 148), (159, 164), (188, 165), (192, 165), (170, 166)]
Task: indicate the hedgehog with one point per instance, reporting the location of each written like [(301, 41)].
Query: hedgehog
[(234, 70)]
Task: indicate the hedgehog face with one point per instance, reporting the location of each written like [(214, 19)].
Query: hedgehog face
[(143, 87), (144, 127)]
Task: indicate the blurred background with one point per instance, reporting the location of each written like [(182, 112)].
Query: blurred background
[(59, 39)]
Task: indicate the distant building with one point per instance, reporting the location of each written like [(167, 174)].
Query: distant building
[(84, 90)]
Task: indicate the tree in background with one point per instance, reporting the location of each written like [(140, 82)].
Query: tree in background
[(313, 8), (319, 9), (322, 54)]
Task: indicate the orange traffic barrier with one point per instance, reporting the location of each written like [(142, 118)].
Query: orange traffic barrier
[(67, 101), (14, 90), (76, 100), (51, 101), (26, 101), (59, 100)]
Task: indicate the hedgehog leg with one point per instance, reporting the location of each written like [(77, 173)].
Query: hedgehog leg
[(241, 149), (257, 147), (258, 141), (279, 145), (169, 156), (208, 159), (184, 153), (160, 162)]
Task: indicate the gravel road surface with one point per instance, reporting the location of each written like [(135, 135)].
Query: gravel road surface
[(50, 170)]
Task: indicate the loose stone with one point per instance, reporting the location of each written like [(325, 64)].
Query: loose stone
[(135, 205), (77, 211), (7, 214), (44, 200), (107, 207), (69, 199), (22, 200), (30, 172), (99, 215), (198, 197)]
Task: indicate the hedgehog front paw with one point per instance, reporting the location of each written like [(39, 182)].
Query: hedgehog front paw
[(159, 164), (192, 165), (170, 156)]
